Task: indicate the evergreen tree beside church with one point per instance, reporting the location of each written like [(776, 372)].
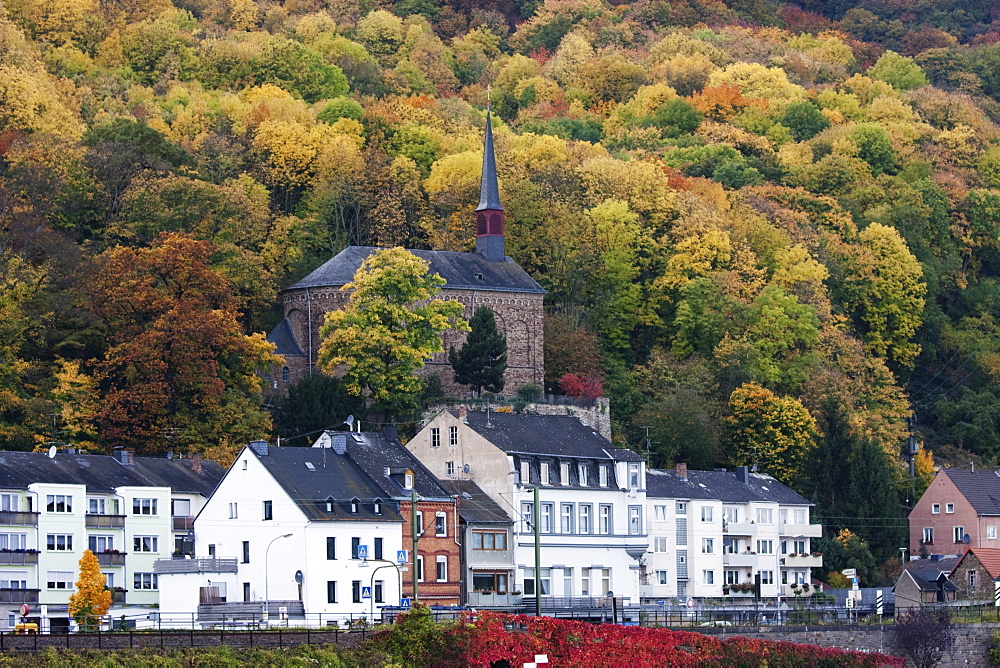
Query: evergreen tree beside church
[(482, 360)]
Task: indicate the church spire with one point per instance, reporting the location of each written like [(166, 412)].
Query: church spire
[(489, 213)]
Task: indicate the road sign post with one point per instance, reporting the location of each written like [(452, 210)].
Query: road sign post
[(362, 552)]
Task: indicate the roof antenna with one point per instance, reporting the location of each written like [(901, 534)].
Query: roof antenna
[(973, 466), (488, 413)]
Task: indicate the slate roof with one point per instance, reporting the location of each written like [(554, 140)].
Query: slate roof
[(946, 564), (721, 485), (329, 476), (285, 343), (474, 506), (553, 435), (459, 270), (981, 488), (103, 473), (489, 190), (928, 580), (375, 452), (989, 557)]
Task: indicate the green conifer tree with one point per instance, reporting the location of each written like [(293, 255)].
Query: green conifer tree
[(481, 361)]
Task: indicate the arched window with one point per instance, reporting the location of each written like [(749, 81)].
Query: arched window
[(286, 374)]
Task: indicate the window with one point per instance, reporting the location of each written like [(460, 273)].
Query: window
[(146, 544), (661, 578), (766, 577), (59, 579), (708, 577), (801, 516), (420, 569), (490, 582), (449, 468), (604, 519), (708, 546), (799, 547), (949, 508), (800, 577), (59, 542), (547, 520), (730, 546), (420, 523), (211, 550), (584, 582), (246, 592), (144, 506), (660, 513), (378, 548), (543, 475), (567, 582), (246, 552), (936, 508), (731, 577), (605, 581), (928, 536), (527, 517), (783, 516), (13, 541), (329, 506), (408, 480), (355, 505), (991, 532), (267, 511), (581, 474), (356, 591), (707, 514), (441, 524), (659, 545), (731, 515), (377, 591), (96, 506), (453, 436), (435, 440), (564, 474), (765, 547), (681, 508), (765, 516), (633, 475), (355, 544), (442, 568), (331, 591), (602, 475), (959, 533), (586, 512), (180, 507), (635, 520), (286, 374), (377, 507), (545, 576), (972, 579), (14, 580), (59, 503), (233, 514), (566, 518), (331, 550), (149, 581), (525, 478), (9, 502), (489, 540)]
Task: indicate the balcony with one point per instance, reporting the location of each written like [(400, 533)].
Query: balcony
[(182, 523), (801, 530), (18, 518), (803, 590), (803, 561), (111, 558), (199, 565), (105, 521), (486, 599), (18, 558), (739, 529), (19, 595), (745, 559), (118, 596)]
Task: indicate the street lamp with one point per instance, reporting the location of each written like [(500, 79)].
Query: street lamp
[(267, 592), (371, 584)]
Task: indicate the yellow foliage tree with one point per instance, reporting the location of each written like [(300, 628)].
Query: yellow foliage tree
[(92, 598), (29, 102)]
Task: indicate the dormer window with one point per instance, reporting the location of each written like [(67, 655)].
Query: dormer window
[(378, 506), (354, 505), (408, 480), (479, 277), (329, 504)]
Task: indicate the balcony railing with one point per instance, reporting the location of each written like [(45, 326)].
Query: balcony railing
[(496, 599), (105, 521), (801, 530), (742, 559), (739, 529), (18, 558), (118, 596), (18, 518), (182, 523), (111, 558), (803, 561), (19, 595), (199, 565)]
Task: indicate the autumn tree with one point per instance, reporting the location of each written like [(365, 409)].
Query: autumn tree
[(482, 360), (92, 598), (391, 324), (179, 373)]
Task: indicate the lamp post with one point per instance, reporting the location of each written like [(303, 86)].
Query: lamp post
[(267, 592), (371, 584)]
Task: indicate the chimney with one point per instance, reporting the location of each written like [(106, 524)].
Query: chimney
[(463, 415), (390, 432), (130, 456), (743, 474), (682, 470), (489, 213), (196, 462)]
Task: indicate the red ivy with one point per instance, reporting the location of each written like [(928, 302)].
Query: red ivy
[(576, 385)]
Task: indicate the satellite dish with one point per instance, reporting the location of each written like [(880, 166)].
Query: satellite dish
[(52, 452), (966, 538), (298, 577), (349, 422), (170, 454), (465, 468)]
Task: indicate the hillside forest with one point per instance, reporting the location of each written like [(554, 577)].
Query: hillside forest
[(769, 231)]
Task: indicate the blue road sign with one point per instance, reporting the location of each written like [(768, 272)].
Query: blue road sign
[(401, 556), (362, 551), (366, 592), (404, 602)]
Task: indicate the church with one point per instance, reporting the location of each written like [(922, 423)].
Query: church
[(486, 277)]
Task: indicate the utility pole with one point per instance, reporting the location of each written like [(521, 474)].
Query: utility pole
[(414, 536), (538, 557)]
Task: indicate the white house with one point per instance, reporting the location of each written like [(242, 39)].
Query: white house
[(120, 507), (713, 533), (592, 495), (285, 529)]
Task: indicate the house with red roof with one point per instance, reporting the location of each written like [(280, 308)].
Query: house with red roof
[(976, 572)]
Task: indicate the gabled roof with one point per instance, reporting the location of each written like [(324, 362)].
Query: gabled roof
[(285, 343), (311, 476), (375, 452), (474, 506), (461, 271), (552, 435), (934, 563), (989, 557), (104, 473), (980, 488), (719, 485), (931, 580)]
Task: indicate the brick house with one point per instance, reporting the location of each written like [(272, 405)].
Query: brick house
[(486, 277), (959, 502), (976, 572)]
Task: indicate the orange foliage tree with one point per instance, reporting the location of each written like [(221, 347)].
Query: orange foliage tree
[(92, 598)]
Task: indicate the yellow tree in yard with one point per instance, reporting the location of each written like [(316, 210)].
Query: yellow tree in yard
[(92, 598)]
